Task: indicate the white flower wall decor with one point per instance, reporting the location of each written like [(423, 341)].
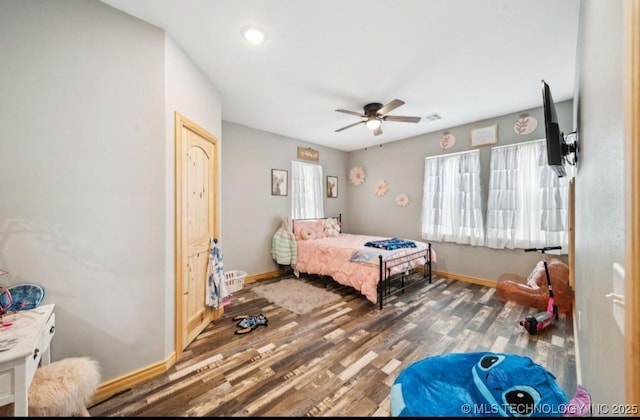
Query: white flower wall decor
[(357, 175), (380, 188), (402, 200)]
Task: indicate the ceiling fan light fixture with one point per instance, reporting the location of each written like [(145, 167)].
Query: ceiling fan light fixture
[(254, 35), (373, 123), (374, 113)]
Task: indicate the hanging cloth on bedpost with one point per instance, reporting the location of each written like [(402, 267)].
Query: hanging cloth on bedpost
[(217, 293)]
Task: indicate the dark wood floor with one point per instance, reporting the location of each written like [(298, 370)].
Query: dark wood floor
[(340, 360)]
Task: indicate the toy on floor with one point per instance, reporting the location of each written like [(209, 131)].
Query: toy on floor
[(477, 384), (531, 291), (249, 323), (542, 320)]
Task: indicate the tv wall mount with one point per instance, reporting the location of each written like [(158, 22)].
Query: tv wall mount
[(570, 147)]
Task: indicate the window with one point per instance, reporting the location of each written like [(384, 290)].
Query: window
[(451, 206), (306, 191), (528, 203)]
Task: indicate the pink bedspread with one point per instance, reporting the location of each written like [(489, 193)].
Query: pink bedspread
[(330, 256)]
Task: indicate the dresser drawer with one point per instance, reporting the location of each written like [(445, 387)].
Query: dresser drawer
[(42, 347), (47, 333)]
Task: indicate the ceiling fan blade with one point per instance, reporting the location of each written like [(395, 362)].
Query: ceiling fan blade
[(377, 131), (390, 106), (401, 118), (349, 126), (359, 114)]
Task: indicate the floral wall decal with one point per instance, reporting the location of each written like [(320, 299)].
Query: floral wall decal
[(525, 124), (402, 200), (380, 188), (447, 140), (357, 175)]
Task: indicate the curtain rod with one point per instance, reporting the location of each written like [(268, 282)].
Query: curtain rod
[(450, 154), (477, 150), (517, 144)]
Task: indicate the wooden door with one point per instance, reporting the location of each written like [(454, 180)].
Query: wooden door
[(196, 223), (632, 212)]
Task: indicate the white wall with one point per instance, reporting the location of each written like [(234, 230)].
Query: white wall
[(251, 214), (86, 172), (190, 93), (600, 228), (401, 164)]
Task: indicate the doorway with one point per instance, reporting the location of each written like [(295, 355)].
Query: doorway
[(196, 198)]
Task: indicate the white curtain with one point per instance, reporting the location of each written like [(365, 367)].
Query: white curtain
[(306, 191), (528, 202), (452, 205)]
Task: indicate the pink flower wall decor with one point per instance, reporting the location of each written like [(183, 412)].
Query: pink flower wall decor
[(447, 140), (402, 200), (380, 188), (357, 175), (525, 124)]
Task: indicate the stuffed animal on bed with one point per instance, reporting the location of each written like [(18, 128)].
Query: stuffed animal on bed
[(477, 384)]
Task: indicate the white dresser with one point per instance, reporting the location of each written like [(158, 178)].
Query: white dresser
[(32, 331)]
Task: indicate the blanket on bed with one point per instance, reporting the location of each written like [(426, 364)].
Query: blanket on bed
[(330, 256), (393, 243), (367, 255)]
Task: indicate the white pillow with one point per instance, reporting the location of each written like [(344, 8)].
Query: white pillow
[(331, 227)]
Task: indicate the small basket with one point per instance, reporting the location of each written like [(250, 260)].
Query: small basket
[(235, 280)]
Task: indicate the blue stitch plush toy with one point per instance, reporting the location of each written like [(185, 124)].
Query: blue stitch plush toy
[(477, 384)]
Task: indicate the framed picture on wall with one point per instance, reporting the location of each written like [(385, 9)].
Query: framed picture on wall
[(332, 186), (279, 181), (484, 135)]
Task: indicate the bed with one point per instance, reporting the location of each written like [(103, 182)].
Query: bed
[(375, 266)]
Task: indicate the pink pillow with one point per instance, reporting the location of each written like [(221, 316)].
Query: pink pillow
[(307, 233), (314, 225), (319, 228)]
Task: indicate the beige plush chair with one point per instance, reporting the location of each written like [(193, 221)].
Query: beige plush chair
[(63, 388)]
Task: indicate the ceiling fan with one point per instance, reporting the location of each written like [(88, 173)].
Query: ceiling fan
[(375, 113)]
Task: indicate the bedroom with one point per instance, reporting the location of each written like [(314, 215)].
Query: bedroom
[(87, 198)]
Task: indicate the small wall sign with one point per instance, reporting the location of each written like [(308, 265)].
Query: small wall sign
[(484, 135), (307, 153)]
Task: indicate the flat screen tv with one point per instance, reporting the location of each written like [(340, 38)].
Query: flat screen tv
[(556, 147)]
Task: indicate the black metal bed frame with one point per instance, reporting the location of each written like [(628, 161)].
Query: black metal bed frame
[(386, 266)]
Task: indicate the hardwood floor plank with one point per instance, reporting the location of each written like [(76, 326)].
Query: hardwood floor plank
[(341, 359)]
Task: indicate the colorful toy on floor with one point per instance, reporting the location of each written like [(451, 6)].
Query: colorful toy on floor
[(531, 291), (477, 384), (249, 323), (542, 320)]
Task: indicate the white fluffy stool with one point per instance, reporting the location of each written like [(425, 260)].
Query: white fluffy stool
[(63, 388)]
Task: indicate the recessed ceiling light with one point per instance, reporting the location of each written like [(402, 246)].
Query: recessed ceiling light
[(253, 35)]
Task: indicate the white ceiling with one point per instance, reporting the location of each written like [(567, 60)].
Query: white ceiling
[(465, 60)]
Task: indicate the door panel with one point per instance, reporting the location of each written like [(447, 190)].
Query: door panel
[(196, 223), (199, 226), (632, 222)]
